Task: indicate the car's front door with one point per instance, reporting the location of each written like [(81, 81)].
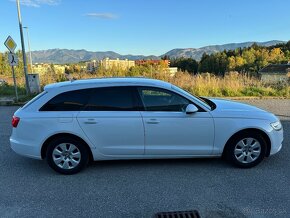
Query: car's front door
[(169, 130), (112, 123)]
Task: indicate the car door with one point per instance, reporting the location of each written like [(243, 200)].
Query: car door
[(169, 130), (112, 123)]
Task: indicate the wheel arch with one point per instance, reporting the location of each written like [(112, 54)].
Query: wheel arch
[(251, 130), (48, 140)]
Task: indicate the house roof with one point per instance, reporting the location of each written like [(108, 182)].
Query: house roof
[(275, 69)]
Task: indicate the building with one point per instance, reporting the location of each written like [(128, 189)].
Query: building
[(92, 66), (43, 68), (172, 71), (164, 63), (117, 63), (275, 73)]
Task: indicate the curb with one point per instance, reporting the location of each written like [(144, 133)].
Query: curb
[(253, 98), (6, 102)]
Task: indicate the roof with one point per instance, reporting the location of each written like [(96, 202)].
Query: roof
[(112, 80), (275, 69)]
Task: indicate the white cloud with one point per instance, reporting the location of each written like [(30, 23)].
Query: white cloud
[(102, 15), (38, 3)]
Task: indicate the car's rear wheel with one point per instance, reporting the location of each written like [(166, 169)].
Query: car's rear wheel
[(67, 155), (246, 150)]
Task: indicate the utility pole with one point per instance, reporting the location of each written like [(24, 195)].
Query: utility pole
[(28, 40), (23, 48)]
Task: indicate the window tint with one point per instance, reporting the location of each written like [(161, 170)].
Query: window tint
[(112, 99), (155, 99), (68, 101)]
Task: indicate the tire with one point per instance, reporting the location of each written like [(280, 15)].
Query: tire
[(246, 150), (67, 155)]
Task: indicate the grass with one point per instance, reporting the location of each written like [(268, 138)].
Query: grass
[(231, 85), (9, 90)]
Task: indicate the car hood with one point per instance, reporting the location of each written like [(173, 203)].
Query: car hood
[(228, 108)]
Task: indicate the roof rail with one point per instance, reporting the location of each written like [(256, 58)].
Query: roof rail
[(111, 77)]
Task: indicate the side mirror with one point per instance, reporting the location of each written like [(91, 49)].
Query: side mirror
[(190, 109)]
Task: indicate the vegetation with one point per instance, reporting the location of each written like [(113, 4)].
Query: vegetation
[(243, 60), (227, 73), (7, 90)]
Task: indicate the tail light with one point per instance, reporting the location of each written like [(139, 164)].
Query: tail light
[(15, 121)]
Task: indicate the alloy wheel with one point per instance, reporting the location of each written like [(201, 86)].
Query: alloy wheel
[(66, 156), (247, 150)]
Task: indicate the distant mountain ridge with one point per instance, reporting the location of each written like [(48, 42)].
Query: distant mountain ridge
[(62, 56), (196, 53)]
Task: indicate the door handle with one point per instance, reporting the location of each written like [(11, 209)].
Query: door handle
[(90, 121), (153, 121)]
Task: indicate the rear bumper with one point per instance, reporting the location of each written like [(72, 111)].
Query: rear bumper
[(25, 149)]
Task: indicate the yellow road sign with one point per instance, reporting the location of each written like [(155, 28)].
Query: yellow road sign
[(10, 44)]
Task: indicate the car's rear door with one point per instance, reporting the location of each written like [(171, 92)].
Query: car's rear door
[(169, 130), (112, 122)]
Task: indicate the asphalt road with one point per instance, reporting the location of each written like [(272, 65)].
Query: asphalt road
[(29, 188)]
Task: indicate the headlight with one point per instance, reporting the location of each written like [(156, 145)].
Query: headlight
[(276, 125)]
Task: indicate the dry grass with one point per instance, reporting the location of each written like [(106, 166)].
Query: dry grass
[(231, 85)]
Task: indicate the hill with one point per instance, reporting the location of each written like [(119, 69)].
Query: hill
[(62, 56), (196, 53)]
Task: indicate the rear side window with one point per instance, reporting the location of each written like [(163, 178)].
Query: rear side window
[(68, 101), (34, 99), (112, 99)]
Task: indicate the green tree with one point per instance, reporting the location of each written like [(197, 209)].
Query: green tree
[(185, 64)]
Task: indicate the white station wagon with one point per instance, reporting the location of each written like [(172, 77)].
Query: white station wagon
[(73, 122)]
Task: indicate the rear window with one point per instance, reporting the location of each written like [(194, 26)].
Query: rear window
[(68, 101)]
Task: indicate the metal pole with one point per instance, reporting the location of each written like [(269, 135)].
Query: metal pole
[(15, 85), (23, 48), (28, 40)]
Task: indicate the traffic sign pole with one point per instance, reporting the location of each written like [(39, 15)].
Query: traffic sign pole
[(13, 61), (15, 85)]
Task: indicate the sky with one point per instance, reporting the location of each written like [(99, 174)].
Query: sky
[(148, 27)]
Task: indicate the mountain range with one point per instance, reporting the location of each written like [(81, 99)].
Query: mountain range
[(62, 56)]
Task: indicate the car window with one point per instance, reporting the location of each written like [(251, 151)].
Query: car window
[(68, 101), (155, 99), (34, 99), (112, 99)]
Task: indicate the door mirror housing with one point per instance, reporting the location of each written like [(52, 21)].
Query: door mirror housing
[(190, 109)]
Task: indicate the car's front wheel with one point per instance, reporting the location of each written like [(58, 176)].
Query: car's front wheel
[(246, 150), (67, 155)]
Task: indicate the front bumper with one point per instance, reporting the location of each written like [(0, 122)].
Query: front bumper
[(276, 141)]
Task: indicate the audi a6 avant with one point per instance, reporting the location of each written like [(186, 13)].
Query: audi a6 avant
[(73, 122)]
